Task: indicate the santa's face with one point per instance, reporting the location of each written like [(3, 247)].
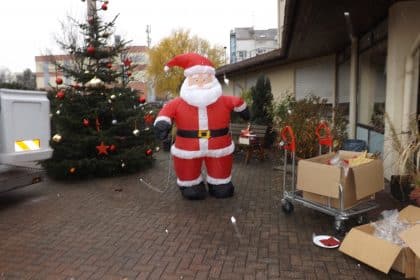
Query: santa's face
[(201, 89)]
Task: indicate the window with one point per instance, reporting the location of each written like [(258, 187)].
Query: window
[(371, 87), (316, 79), (241, 55)]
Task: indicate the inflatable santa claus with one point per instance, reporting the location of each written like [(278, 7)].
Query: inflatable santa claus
[(202, 116)]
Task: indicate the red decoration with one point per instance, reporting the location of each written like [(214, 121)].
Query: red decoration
[(330, 242), (142, 99), (60, 94), (109, 65), (104, 7), (85, 122), (128, 73), (102, 149), (90, 20), (58, 81), (112, 148), (149, 119), (149, 152), (90, 49), (76, 86), (127, 62)]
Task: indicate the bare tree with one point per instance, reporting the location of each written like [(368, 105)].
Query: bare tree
[(26, 79), (5, 75)]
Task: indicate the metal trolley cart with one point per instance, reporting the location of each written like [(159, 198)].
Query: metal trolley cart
[(291, 195)]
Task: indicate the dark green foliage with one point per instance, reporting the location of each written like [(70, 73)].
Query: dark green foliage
[(112, 111), (262, 107), (262, 99), (304, 116)]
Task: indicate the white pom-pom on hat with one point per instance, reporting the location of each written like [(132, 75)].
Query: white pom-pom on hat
[(166, 68)]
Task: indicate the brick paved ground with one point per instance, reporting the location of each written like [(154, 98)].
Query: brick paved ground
[(121, 228)]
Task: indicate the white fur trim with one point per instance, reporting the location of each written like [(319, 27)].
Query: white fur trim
[(240, 108), (163, 118), (189, 183), (217, 181), (185, 154), (201, 97), (166, 68), (199, 69)]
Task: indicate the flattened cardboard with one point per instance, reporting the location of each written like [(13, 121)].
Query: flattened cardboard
[(410, 214), (349, 199), (411, 237), (360, 244)]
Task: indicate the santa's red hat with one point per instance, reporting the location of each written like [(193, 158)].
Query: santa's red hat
[(192, 63)]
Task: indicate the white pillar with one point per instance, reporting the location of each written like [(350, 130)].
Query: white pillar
[(403, 31)]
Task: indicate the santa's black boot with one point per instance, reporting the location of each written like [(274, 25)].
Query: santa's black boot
[(222, 190), (195, 192)]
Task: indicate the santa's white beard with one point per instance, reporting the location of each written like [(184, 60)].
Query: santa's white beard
[(201, 97)]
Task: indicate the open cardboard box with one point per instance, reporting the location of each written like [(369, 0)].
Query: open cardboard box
[(361, 244), (320, 182)]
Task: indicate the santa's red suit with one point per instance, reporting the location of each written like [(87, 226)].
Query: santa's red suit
[(202, 117)]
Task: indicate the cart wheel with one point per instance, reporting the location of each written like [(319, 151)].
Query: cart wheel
[(339, 226), (287, 206), (362, 219)]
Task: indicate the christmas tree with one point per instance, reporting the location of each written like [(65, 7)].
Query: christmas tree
[(100, 127)]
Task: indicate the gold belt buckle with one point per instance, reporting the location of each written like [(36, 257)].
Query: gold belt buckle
[(204, 134)]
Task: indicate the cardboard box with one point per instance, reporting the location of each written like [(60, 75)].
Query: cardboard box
[(361, 244), (320, 182)]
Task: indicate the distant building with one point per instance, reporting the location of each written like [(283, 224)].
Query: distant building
[(46, 70), (247, 42)]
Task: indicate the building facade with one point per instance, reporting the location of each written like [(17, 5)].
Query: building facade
[(46, 70), (366, 61), (247, 42)]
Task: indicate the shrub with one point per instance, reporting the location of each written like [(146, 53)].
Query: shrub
[(304, 116)]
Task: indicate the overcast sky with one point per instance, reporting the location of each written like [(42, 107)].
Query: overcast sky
[(28, 28)]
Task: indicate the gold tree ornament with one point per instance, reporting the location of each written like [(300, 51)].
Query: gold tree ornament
[(95, 83), (57, 138)]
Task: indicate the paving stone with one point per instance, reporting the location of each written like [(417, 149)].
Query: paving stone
[(87, 230)]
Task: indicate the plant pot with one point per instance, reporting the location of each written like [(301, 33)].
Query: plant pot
[(401, 187)]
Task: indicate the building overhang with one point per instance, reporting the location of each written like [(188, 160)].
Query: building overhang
[(315, 28)]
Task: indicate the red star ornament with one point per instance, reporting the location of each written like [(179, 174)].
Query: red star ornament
[(102, 149), (127, 62)]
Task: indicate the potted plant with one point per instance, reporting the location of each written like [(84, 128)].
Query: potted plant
[(406, 185)]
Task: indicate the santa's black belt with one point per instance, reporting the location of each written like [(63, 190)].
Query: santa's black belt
[(202, 133)]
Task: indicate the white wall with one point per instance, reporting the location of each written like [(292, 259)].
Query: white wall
[(403, 28)]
